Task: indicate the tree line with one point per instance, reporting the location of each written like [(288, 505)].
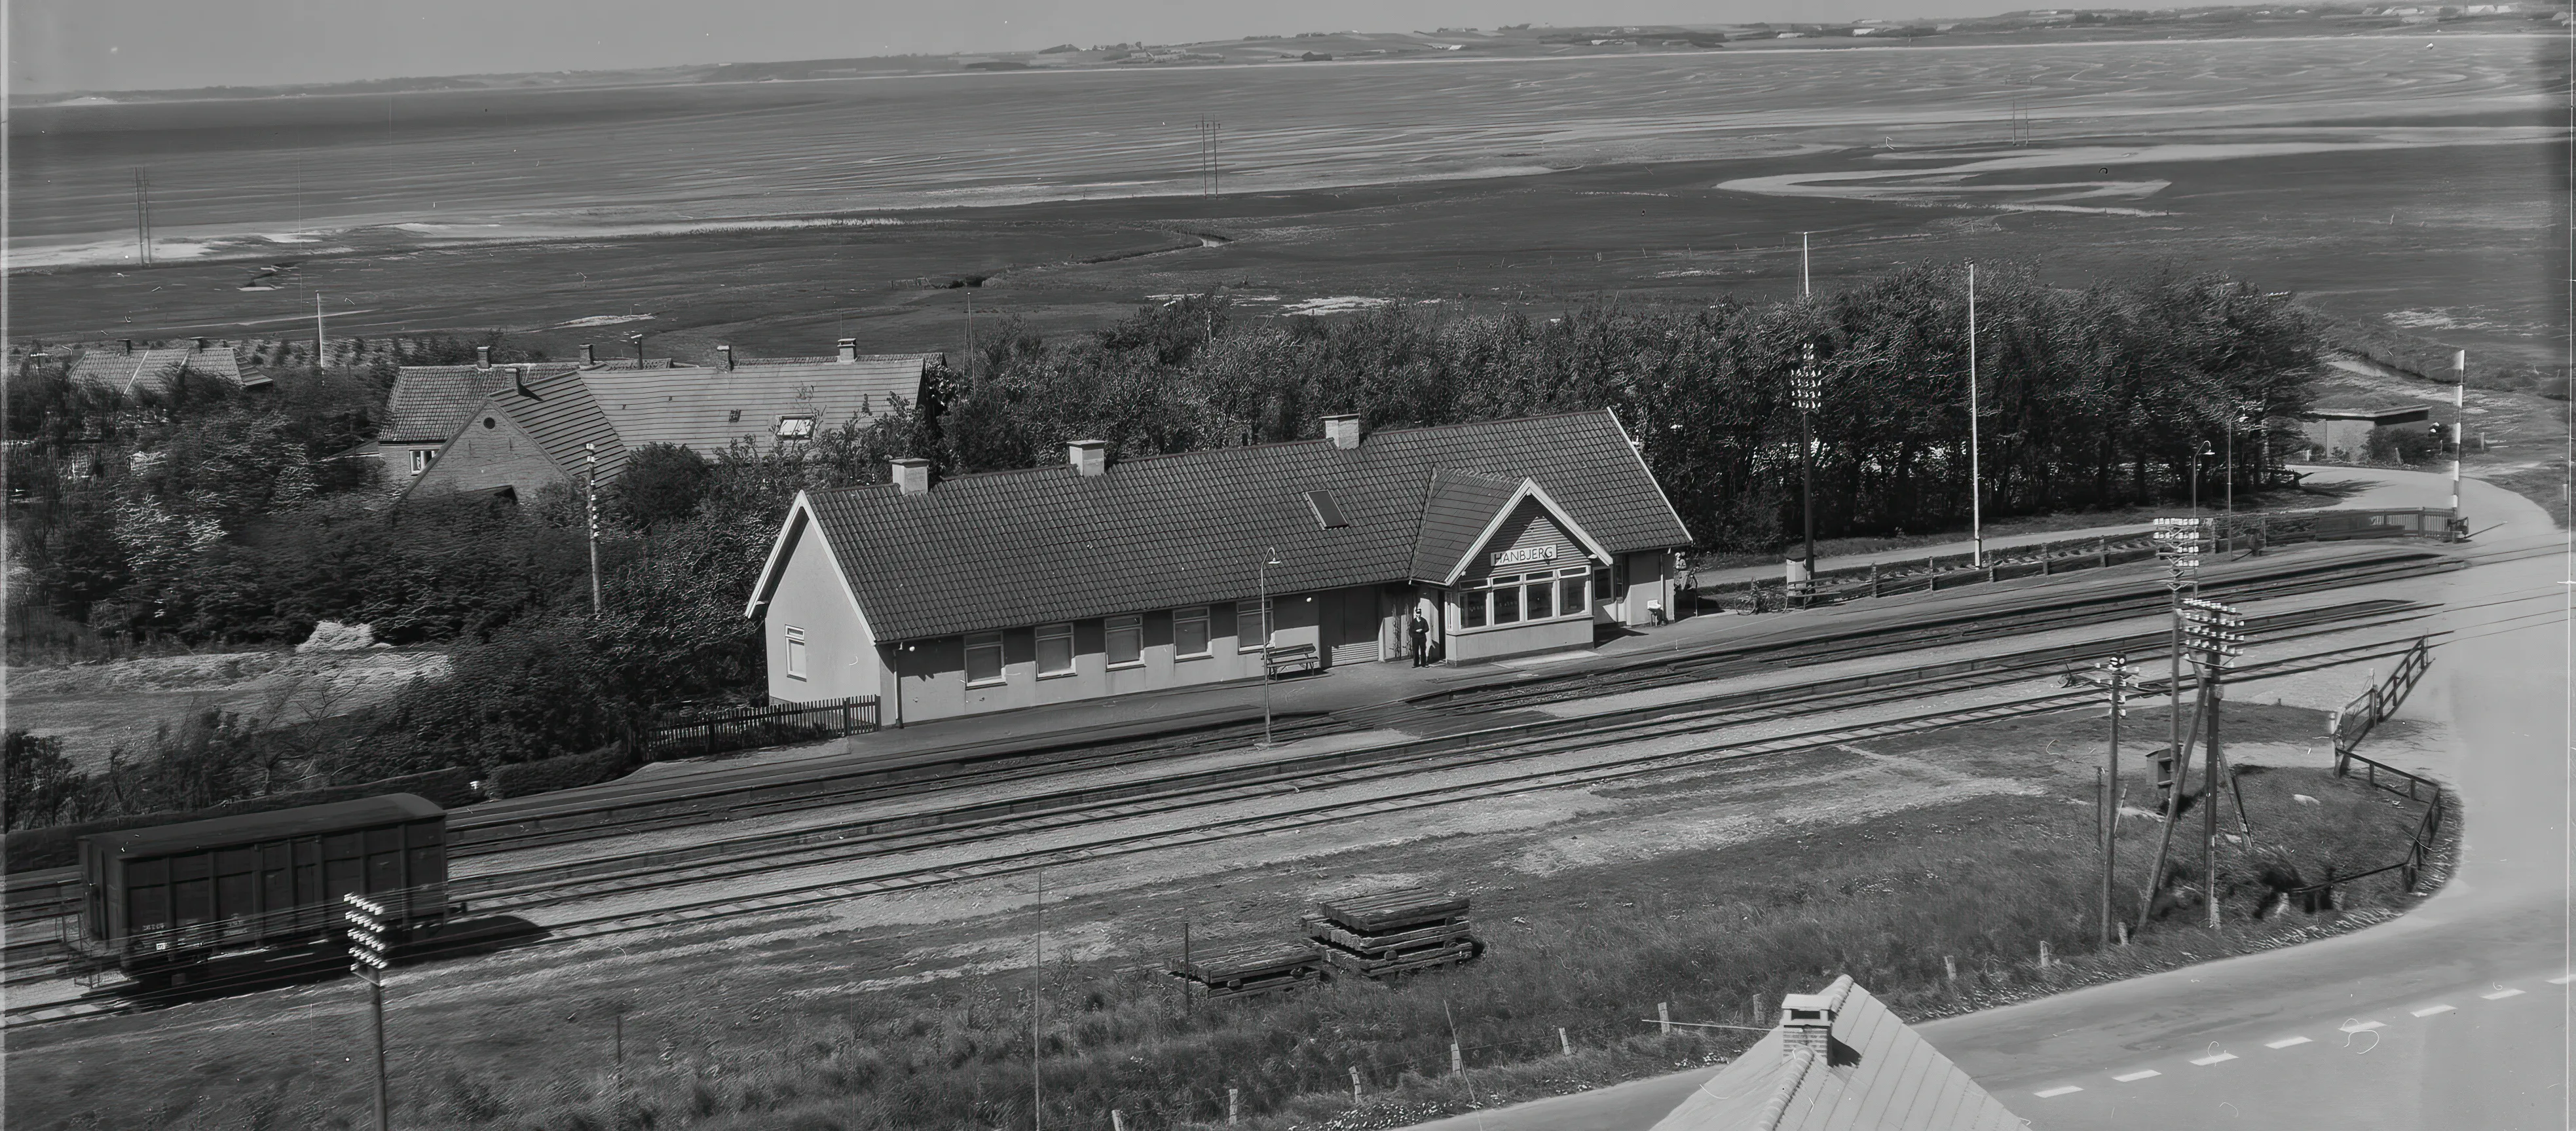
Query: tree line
[(214, 516)]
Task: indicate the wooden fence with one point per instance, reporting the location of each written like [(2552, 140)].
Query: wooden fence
[(2249, 534), (744, 728)]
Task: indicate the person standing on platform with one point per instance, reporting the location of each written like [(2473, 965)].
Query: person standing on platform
[(1421, 632)]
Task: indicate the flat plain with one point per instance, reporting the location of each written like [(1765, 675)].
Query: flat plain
[(2411, 179)]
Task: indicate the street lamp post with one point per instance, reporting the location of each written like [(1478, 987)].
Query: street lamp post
[(1270, 557)]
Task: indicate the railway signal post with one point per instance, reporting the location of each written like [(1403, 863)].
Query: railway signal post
[(2217, 638), (370, 955)]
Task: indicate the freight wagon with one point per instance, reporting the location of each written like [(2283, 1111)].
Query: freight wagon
[(158, 903)]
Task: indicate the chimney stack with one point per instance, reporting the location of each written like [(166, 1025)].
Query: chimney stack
[(201, 346), (1088, 457), (129, 345), (911, 476), (1343, 431), (849, 349), (589, 354), (725, 352), (519, 378), (1807, 1022), (482, 357)]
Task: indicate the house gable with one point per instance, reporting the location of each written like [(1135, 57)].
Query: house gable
[(492, 451), (1528, 531)]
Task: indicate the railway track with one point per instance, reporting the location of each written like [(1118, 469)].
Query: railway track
[(1076, 811)]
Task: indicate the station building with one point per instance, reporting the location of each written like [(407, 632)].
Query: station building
[(1093, 578)]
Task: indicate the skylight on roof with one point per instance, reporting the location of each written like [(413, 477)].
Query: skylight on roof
[(1328, 514)]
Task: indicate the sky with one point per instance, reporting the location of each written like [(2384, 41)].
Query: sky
[(107, 45)]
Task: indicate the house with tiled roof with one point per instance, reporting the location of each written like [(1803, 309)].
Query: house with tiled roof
[(430, 404), (540, 425), (150, 372), (1101, 577), (1840, 1061)]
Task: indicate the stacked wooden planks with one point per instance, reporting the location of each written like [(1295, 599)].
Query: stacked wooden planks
[(1393, 932), (1256, 969)]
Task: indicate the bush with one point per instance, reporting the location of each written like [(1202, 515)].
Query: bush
[(546, 775)]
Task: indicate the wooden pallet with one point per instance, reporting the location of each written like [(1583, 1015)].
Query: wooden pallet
[(1402, 962), (1258, 968), (1436, 934), (1390, 911)]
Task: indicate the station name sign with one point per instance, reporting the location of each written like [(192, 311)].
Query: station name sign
[(1518, 555)]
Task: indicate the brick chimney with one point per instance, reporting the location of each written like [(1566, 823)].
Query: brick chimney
[(129, 345), (725, 352), (911, 476), (1807, 1022), (1343, 431), (519, 379), (201, 346), (589, 354), (1088, 457), (849, 349), (482, 357)]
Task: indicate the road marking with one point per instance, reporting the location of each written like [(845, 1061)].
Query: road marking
[(2430, 1010), (2285, 1042), (2213, 1058), (2057, 1091), (2363, 1026), (2500, 995), (2140, 1074), (2562, 979)]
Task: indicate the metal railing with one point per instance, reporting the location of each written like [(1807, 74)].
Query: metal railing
[(2354, 723), (744, 728)]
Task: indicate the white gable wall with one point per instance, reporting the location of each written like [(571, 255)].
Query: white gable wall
[(841, 658)]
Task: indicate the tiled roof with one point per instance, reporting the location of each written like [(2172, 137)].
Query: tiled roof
[(1898, 1081), (706, 408), (560, 414), (150, 370), (431, 402), (1458, 509), (1016, 548)]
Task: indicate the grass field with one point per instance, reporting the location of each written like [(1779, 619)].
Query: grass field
[(1865, 869)]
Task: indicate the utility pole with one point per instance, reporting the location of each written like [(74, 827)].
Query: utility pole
[(370, 946), (1270, 557), (590, 492), (2118, 678), (1806, 388), (2178, 543), (2217, 638), (1037, 1000), (319, 353), (1976, 476), (1806, 288), (143, 214)]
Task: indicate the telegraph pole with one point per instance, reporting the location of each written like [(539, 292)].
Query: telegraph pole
[(143, 214), (2217, 637), (2118, 677), (1807, 388), (319, 353), (1805, 287), (370, 949), (590, 492)]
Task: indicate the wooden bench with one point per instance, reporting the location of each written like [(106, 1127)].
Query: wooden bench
[(1298, 657)]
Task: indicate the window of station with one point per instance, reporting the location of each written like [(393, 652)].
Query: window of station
[(1055, 650), (1124, 640), (983, 659), (1190, 633), (1252, 625), (1515, 598), (795, 652), (1569, 593), (1507, 601)]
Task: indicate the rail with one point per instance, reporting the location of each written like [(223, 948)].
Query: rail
[(745, 727), (2250, 534)]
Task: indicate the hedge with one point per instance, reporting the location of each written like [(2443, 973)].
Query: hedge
[(545, 775), (59, 847)]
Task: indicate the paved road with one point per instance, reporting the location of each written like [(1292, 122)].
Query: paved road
[(2381, 1049)]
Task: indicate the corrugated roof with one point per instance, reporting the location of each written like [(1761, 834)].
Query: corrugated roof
[(1898, 1081), (310, 820), (1458, 508), (150, 370), (707, 407), (1016, 548)]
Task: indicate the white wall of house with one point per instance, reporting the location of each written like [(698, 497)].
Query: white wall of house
[(812, 605)]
